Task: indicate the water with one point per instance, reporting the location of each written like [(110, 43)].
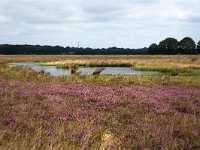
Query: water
[(54, 71)]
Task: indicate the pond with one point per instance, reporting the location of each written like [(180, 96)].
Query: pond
[(54, 71)]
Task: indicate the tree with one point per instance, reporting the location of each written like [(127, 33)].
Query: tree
[(168, 46), (198, 47), (187, 46), (153, 49)]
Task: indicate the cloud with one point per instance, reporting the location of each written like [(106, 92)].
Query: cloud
[(4, 19), (95, 23)]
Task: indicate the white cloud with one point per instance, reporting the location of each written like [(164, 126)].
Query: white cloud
[(4, 19)]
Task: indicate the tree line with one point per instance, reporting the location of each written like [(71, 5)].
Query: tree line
[(7, 49), (173, 46), (168, 46)]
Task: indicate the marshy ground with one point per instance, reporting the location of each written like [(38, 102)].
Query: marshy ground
[(38, 111)]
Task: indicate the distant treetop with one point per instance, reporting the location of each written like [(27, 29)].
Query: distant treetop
[(173, 46)]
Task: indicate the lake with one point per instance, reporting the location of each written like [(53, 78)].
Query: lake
[(54, 71)]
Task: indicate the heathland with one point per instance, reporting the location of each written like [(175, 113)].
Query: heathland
[(162, 111)]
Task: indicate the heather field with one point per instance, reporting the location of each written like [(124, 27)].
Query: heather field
[(39, 111)]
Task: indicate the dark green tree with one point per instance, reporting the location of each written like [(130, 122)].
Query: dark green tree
[(153, 49), (198, 47), (187, 46), (168, 46)]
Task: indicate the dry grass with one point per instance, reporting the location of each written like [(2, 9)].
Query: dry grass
[(141, 60), (167, 61)]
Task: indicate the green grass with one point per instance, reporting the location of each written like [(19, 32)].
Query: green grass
[(167, 69)]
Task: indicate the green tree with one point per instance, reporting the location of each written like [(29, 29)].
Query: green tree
[(153, 49), (168, 46), (187, 46), (198, 47)]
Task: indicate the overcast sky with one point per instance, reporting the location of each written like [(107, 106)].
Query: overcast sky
[(98, 23)]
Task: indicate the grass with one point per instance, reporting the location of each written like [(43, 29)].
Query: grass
[(183, 70), (146, 80), (166, 64), (161, 60), (38, 111)]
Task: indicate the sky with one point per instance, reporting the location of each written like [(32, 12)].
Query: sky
[(98, 23)]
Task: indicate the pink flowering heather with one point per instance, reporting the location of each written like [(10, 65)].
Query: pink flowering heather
[(139, 116)]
